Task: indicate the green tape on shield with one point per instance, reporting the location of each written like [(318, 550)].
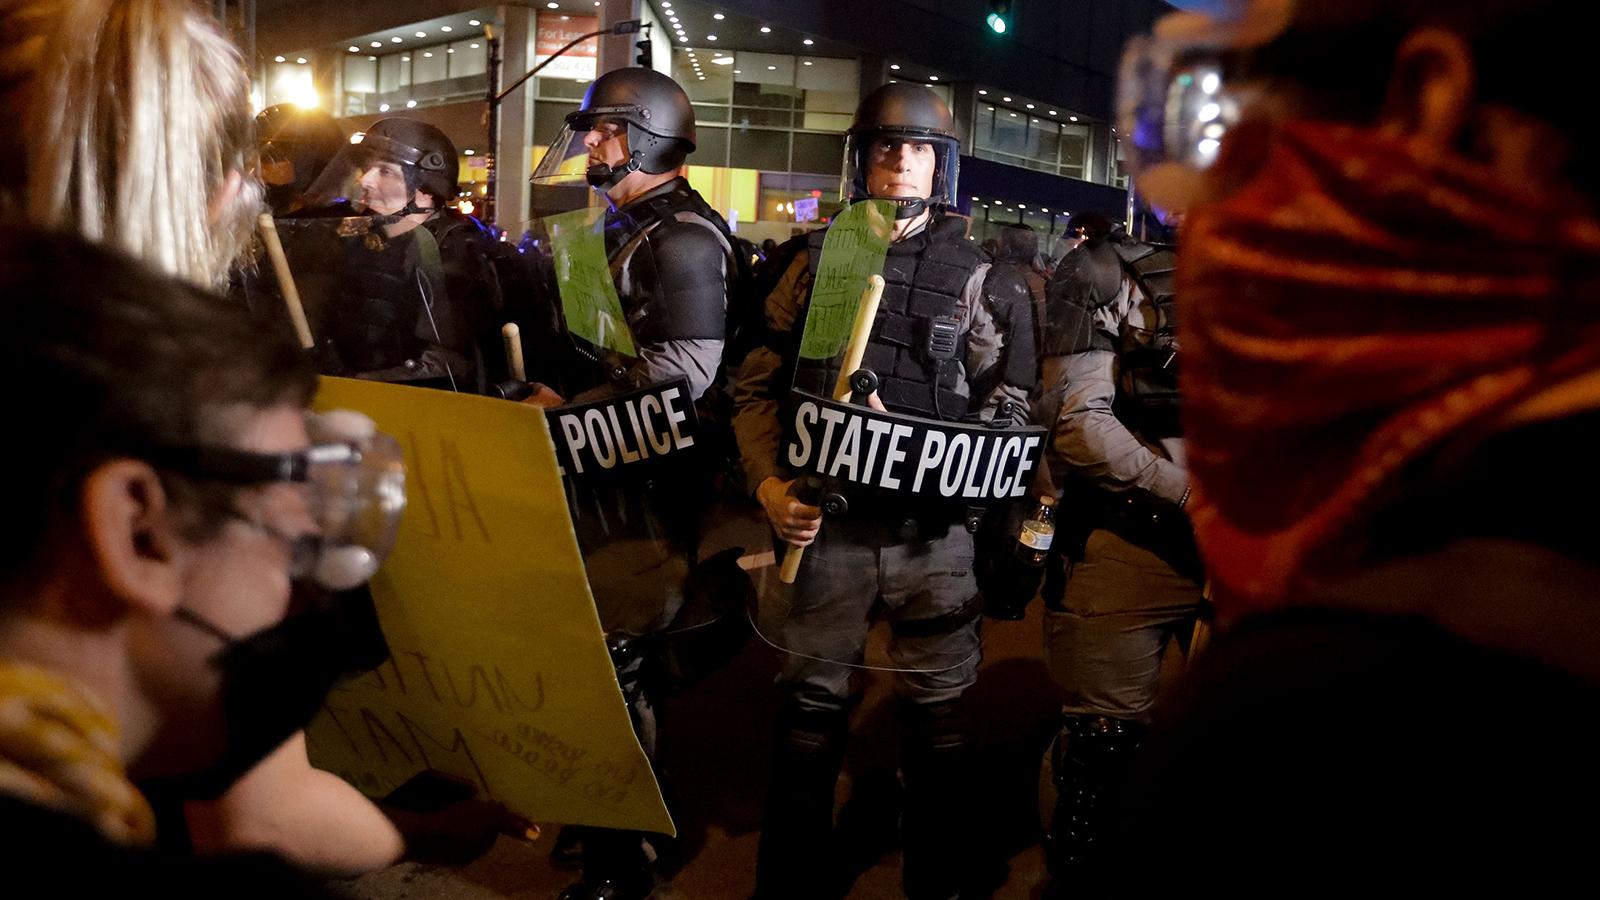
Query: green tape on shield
[(583, 275), (853, 251)]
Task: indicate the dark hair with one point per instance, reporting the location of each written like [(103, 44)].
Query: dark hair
[(1524, 50), (105, 357), (1016, 243)]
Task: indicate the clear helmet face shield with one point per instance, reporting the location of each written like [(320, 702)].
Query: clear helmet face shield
[(561, 182), (874, 158), (616, 141), (374, 175)]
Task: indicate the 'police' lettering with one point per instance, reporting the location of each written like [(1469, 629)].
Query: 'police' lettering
[(883, 451), (623, 432)]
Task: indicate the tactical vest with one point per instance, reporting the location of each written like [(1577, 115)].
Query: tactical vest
[(638, 288), (374, 322), (650, 325), (918, 343), (1147, 390)]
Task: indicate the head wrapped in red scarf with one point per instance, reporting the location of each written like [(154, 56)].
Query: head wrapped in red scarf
[(1358, 306)]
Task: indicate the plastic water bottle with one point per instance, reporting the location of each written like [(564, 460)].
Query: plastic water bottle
[(1038, 531)]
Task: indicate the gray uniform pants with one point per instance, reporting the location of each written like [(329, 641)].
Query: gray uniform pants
[(1121, 605), (926, 589)]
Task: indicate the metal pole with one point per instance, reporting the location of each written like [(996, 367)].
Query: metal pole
[(489, 211)]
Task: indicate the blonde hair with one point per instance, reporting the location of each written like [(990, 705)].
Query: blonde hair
[(134, 114)]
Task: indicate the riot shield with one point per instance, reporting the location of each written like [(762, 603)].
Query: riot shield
[(636, 468), (377, 302), (881, 432)]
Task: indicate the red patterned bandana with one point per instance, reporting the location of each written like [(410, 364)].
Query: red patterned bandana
[(1353, 309)]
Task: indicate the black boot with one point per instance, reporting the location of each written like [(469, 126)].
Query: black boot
[(1091, 761), (614, 867), (796, 858), (937, 825)]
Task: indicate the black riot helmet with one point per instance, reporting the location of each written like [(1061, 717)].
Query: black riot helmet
[(654, 110), (296, 144), (902, 112), (428, 157)]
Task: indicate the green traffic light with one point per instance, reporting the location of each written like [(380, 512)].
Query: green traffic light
[(997, 22)]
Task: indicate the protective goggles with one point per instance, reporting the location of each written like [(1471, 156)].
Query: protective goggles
[(1177, 99), (355, 482)]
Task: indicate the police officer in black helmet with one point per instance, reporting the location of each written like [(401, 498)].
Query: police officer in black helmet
[(631, 137), (934, 342), (417, 282), (619, 160)]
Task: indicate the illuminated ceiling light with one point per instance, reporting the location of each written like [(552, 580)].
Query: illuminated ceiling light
[(991, 109), (1072, 118), (1013, 115), (672, 19), (711, 37), (666, 6), (772, 68), (396, 39), (1044, 209), (894, 66), (376, 44), (278, 59), (411, 104), (1021, 206), (766, 29), (933, 78), (806, 63), (469, 152), (1030, 106), (982, 92), (372, 58), (565, 18), (355, 49), (723, 61), (738, 71), (474, 23), (718, 16), (428, 55), (422, 34), (1211, 83), (451, 50), (683, 39), (405, 59), (473, 46), (808, 42), (446, 29), (974, 199), (383, 107), (552, 5)]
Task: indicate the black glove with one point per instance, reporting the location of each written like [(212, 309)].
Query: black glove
[(1008, 584)]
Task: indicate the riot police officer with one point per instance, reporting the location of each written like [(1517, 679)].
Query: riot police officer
[(417, 282), (618, 166), (296, 144), (1110, 391), (933, 341)]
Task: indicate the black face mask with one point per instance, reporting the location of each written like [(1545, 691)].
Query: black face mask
[(274, 681)]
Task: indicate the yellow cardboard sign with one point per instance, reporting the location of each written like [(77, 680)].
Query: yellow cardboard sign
[(499, 672)]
